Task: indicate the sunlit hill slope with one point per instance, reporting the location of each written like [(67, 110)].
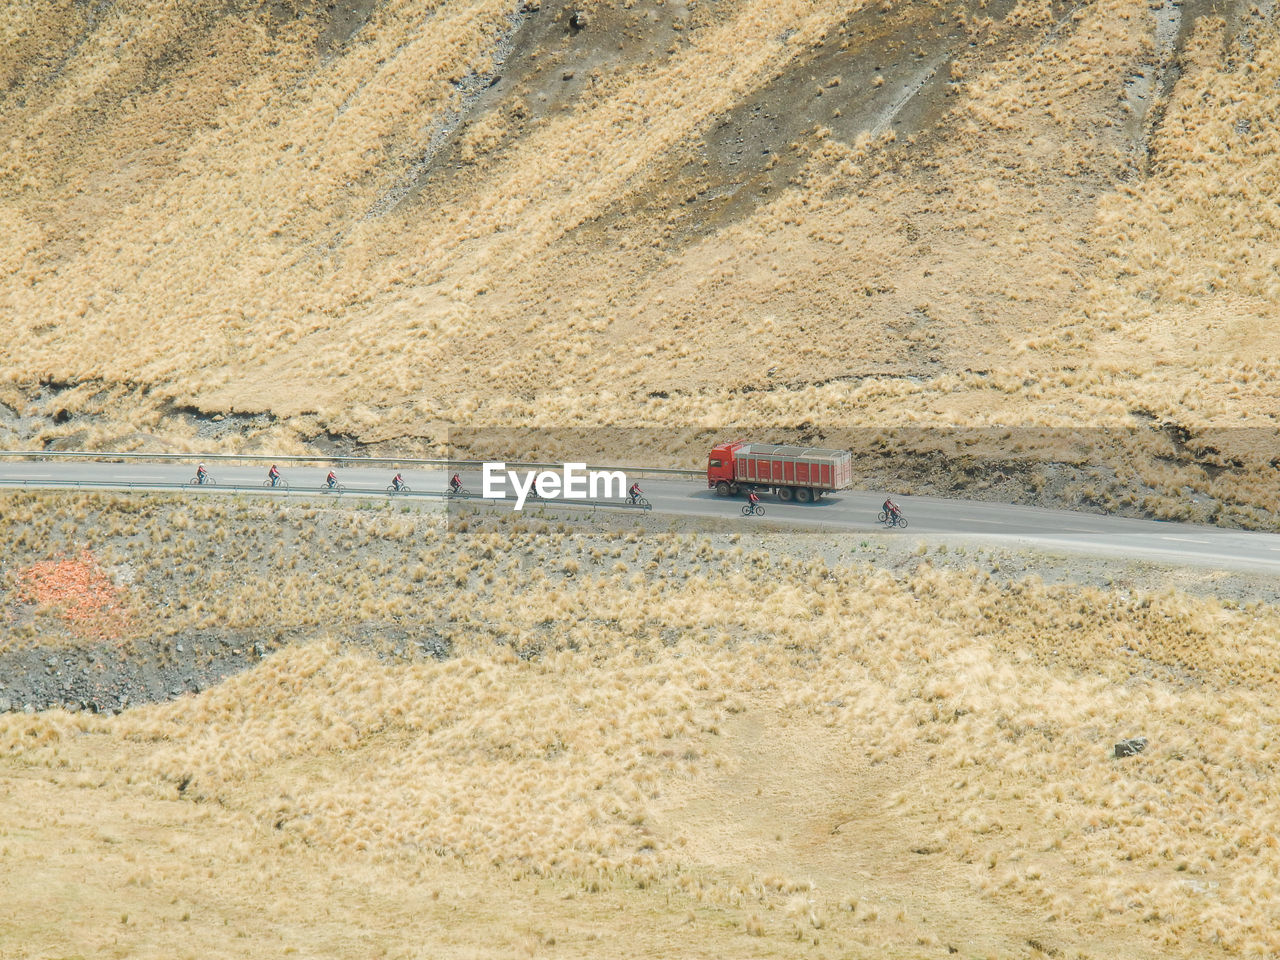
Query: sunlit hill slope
[(381, 218)]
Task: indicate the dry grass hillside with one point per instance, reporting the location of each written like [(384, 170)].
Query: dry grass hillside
[(357, 731), (381, 218), (657, 746)]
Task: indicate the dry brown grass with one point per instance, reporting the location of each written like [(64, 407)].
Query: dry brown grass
[(185, 209), (730, 749)]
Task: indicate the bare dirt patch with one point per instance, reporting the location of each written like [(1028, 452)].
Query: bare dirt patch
[(81, 593)]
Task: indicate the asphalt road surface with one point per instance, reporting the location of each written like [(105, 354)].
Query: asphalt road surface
[(852, 511)]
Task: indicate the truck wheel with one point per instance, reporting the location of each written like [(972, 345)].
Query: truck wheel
[(785, 494), (803, 495), (722, 489)]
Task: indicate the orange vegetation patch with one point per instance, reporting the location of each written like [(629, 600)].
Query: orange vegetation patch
[(89, 601)]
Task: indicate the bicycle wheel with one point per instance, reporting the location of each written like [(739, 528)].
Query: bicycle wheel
[(643, 503), (902, 522), (882, 516), (759, 510)]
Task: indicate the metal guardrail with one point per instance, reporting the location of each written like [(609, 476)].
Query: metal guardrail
[(321, 491), (409, 462)]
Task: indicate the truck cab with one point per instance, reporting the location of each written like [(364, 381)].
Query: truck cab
[(720, 468)]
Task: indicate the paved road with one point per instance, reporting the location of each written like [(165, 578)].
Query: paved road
[(852, 511)]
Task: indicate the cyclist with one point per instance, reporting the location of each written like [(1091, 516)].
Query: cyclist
[(397, 483), (633, 495), (202, 475), (891, 510), (331, 480), (274, 474), (752, 500), (455, 483)]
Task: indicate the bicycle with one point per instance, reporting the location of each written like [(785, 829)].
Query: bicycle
[(207, 481), (403, 488), (753, 508), (640, 502), (278, 483), (895, 519), (337, 488), (457, 492)]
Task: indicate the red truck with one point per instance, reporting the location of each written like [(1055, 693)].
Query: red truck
[(793, 473)]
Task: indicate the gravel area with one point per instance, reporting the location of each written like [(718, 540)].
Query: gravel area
[(44, 664)]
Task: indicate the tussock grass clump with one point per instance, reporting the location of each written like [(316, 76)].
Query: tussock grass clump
[(495, 761)]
